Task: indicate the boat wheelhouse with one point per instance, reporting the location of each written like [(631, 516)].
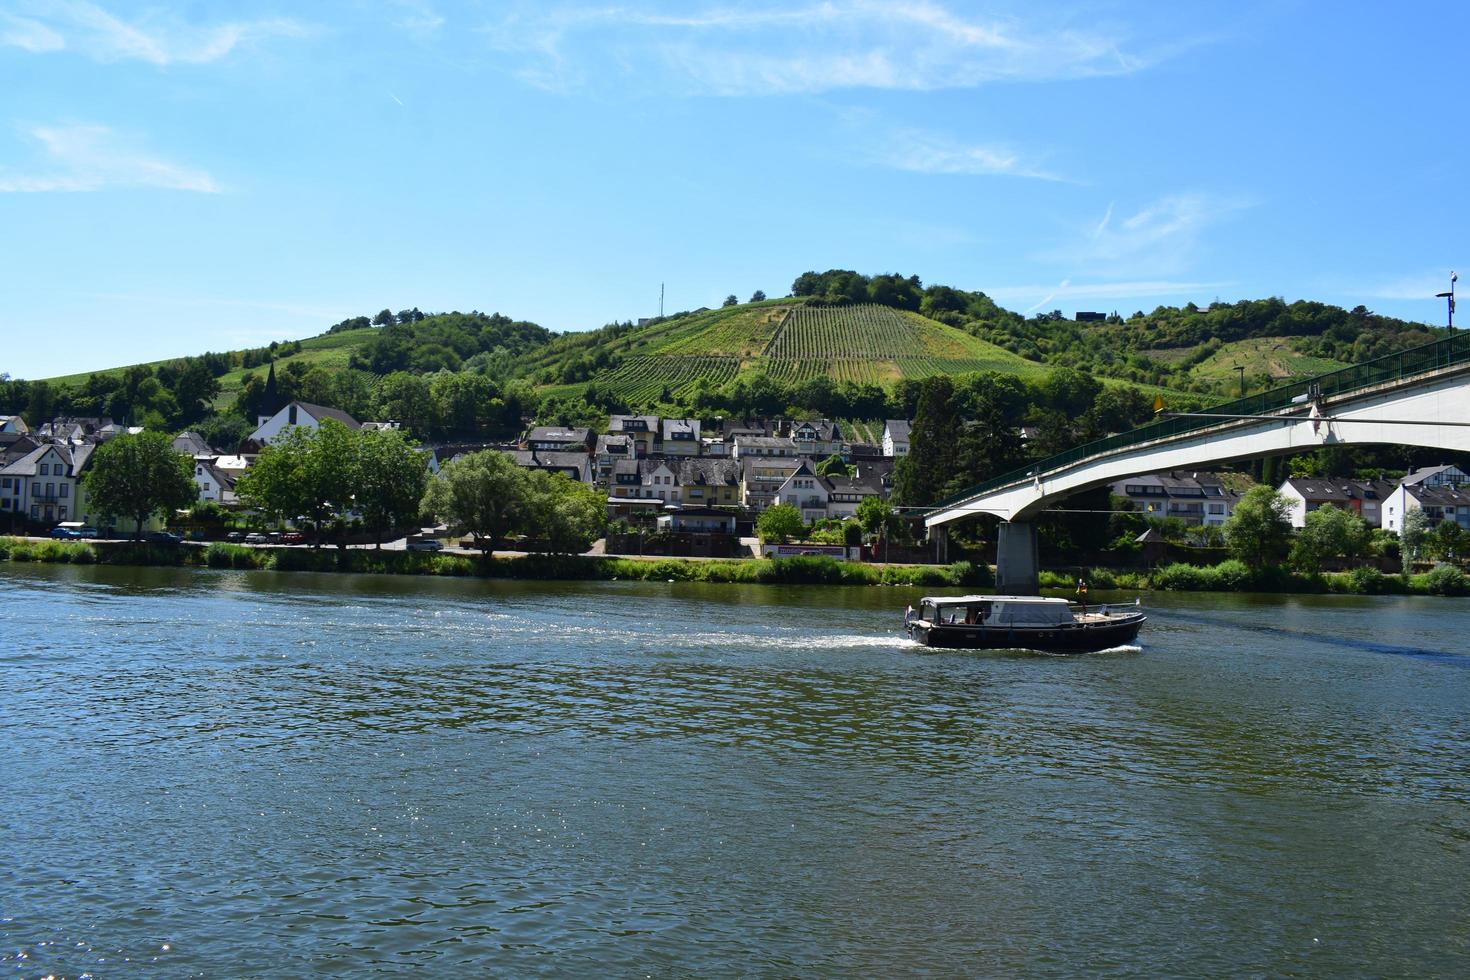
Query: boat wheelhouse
[(999, 622)]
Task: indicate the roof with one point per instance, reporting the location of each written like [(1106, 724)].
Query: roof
[(965, 600), (320, 412), (606, 443), (826, 429), (681, 427), (544, 459), (192, 444), (1419, 476), (709, 472), (764, 442), (557, 433), (897, 428), (1439, 496), (1323, 490), (618, 423), (703, 512), (26, 465)]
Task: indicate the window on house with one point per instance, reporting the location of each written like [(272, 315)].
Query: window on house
[(61, 513), (45, 469), (65, 490), (35, 489)]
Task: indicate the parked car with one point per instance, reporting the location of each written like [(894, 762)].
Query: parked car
[(164, 537), (427, 544), (293, 537), (86, 532), (235, 536), (64, 533), (255, 537), (275, 536)]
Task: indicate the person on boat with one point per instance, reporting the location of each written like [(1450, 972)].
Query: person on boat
[(908, 614), (1082, 594)]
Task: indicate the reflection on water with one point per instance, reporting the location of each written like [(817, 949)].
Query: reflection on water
[(252, 773)]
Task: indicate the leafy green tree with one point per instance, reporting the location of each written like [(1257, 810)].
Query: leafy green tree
[(385, 318), (780, 523), (921, 477), (390, 477), (757, 296), (1412, 537), (832, 466), (1258, 532), (731, 300), (1328, 533), (306, 472), (1447, 541), (566, 514), (137, 476), (484, 493)]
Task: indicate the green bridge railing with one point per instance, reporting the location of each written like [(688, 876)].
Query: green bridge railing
[(1454, 349)]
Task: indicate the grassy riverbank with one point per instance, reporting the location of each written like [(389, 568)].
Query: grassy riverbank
[(805, 570), (1229, 576)]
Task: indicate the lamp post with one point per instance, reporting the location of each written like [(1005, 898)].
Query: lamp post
[(1449, 299)]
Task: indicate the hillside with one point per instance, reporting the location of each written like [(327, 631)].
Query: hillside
[(785, 340)]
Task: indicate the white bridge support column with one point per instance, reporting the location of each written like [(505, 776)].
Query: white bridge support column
[(940, 537), (1017, 570)]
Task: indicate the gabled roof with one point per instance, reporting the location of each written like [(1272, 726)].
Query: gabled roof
[(1315, 489), (26, 465), (549, 459), (557, 433), (606, 444), (826, 429), (709, 472), (1419, 476), (320, 412), (1439, 496), (192, 444), (681, 427), (617, 423), (897, 429)]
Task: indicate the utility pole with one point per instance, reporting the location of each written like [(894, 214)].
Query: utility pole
[(1449, 298)]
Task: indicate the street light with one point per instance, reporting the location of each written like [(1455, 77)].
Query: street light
[(1449, 298)]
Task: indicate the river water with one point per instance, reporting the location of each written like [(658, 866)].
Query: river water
[(257, 774)]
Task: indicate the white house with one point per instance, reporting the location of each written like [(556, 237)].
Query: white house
[(1365, 498), (805, 491), (895, 438), (819, 438), (748, 446), (297, 413), (1438, 504), (1443, 475), (680, 437), (44, 484)]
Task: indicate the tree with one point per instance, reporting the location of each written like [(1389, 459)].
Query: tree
[(1259, 530), (832, 466), (779, 523), (1412, 537), (564, 513), (757, 296), (484, 493), (385, 318), (1447, 541), (306, 472), (390, 478), (1328, 533), (731, 300), (921, 476), (139, 475)]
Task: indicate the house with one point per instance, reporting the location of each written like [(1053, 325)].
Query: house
[(1364, 498), (761, 478), (44, 485), (1196, 497), (609, 449), (214, 483), (1439, 503), (574, 465), (708, 482), (73, 431), (1443, 475), (896, 438), (748, 446), (14, 447), (642, 429), (846, 493), (559, 439), (700, 520), (270, 428), (14, 424), (816, 439), (679, 437), (805, 491), (192, 444)]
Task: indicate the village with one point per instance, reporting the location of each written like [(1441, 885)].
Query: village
[(672, 486)]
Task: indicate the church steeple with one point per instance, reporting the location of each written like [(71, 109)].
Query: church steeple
[(271, 402)]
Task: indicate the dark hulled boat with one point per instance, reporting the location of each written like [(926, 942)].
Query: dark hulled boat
[(1003, 622)]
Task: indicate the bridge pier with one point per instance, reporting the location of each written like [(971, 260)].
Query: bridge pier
[(1017, 569), (940, 538)]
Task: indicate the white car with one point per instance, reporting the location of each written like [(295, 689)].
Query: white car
[(426, 544)]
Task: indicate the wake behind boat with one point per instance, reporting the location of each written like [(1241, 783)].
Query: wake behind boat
[(1000, 622)]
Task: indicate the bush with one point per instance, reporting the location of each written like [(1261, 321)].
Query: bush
[(1368, 581), (1179, 577), (223, 555), (1444, 580)]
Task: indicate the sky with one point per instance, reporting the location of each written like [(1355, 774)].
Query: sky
[(183, 177)]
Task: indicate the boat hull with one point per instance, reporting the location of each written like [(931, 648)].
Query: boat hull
[(1064, 638)]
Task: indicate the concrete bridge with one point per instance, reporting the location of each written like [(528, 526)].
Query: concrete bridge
[(1419, 397)]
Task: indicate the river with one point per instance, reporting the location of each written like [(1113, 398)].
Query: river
[(249, 773)]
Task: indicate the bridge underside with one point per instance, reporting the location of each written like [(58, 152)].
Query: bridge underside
[(1433, 413)]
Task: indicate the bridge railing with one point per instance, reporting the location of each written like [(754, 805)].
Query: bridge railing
[(1452, 350)]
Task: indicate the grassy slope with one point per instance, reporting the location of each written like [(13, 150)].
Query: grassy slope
[(1262, 357)]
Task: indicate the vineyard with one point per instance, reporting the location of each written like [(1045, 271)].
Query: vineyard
[(793, 343)]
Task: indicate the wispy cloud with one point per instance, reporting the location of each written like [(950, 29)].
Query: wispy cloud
[(94, 158), (1158, 239), (929, 153), (821, 46), (156, 38), (1422, 285)]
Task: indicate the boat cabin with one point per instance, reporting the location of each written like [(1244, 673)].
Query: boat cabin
[(995, 610)]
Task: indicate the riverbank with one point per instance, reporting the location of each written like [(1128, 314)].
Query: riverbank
[(1228, 576)]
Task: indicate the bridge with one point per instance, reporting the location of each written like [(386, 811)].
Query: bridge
[(1417, 397)]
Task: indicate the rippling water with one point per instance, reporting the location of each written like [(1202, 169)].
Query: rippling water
[(232, 773)]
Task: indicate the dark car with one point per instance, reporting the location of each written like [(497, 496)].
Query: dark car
[(86, 532), (64, 532), (293, 537), (235, 536), (164, 537)]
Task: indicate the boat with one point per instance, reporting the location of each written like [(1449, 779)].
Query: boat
[(1002, 622)]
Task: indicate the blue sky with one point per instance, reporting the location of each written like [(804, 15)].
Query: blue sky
[(176, 178)]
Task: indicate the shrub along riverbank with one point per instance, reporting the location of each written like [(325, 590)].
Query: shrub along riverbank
[(1228, 576)]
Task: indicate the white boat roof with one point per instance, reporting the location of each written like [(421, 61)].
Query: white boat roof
[(966, 600)]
